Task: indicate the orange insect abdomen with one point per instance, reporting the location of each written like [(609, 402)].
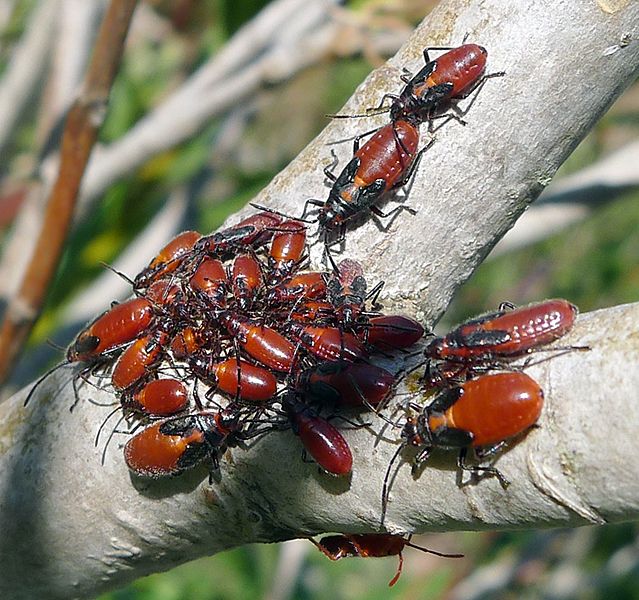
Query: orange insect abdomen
[(154, 454), (132, 365), (388, 154), (496, 407), (461, 66)]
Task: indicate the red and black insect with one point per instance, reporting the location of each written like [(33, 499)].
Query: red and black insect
[(210, 283), (168, 259), (236, 378), (452, 75), (328, 343), (262, 343), (121, 324), (286, 251), (104, 337), (311, 311), (253, 231), (174, 445), (381, 164), (345, 384), (501, 335), (347, 293), (369, 545), (136, 362), (192, 340), (482, 414), (302, 286), (392, 332), (246, 280), (320, 439), (164, 294), (160, 397)]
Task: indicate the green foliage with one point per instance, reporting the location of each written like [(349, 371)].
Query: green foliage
[(235, 14), (592, 263)]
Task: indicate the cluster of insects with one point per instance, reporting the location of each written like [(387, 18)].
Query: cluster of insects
[(238, 315), (235, 314), (477, 400), (388, 158)]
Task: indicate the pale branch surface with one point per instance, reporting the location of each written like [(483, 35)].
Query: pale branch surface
[(72, 528)]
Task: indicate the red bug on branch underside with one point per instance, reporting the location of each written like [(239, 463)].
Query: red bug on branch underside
[(368, 545)]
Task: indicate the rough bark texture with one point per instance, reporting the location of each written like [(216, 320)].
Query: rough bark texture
[(73, 528)]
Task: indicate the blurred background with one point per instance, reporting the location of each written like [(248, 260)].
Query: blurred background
[(264, 75)]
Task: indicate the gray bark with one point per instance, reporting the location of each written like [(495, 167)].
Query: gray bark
[(73, 528)]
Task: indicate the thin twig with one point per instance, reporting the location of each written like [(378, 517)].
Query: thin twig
[(221, 84), (76, 32), (24, 70), (80, 132)]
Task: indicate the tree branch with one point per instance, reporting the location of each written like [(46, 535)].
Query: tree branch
[(81, 129), (25, 67), (475, 181), (77, 528), (73, 528)]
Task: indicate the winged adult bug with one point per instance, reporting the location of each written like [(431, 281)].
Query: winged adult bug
[(499, 336)]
